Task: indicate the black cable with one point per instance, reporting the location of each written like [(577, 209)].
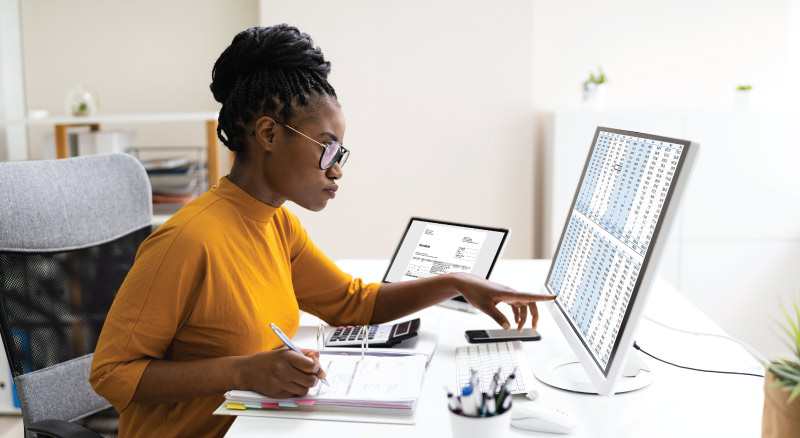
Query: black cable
[(636, 346)]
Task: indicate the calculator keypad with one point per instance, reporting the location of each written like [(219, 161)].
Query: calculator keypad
[(352, 335)]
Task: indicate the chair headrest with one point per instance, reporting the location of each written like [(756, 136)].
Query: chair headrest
[(60, 205)]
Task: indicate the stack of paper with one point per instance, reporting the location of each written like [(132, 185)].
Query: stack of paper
[(381, 385)]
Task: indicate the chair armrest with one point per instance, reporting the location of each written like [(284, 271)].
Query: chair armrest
[(60, 429)]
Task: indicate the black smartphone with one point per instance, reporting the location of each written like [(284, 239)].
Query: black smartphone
[(482, 336)]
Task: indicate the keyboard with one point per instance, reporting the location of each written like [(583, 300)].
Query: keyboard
[(487, 358)]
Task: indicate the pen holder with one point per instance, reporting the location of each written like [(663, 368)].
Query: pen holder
[(464, 426)]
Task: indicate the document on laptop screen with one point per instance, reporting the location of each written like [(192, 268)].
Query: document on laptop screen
[(431, 248), (444, 250)]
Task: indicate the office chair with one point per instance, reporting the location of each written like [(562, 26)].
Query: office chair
[(69, 231)]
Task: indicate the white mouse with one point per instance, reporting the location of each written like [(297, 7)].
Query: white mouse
[(541, 418)]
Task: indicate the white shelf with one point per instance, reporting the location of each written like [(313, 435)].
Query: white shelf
[(117, 118)]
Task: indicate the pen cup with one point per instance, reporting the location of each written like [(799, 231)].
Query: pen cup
[(464, 426)]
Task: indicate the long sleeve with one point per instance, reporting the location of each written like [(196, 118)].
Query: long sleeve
[(152, 303), (322, 289)]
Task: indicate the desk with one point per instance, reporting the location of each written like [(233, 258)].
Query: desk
[(678, 403)]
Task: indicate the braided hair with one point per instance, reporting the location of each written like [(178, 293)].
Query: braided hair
[(266, 70)]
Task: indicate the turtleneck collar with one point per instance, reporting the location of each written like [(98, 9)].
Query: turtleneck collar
[(242, 201)]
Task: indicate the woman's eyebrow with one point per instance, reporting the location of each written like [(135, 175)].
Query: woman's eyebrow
[(333, 137)]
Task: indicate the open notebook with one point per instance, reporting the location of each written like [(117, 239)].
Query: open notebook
[(377, 388)]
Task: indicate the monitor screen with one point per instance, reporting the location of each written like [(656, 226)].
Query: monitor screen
[(613, 223), (431, 248)]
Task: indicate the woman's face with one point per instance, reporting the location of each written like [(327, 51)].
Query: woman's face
[(292, 167)]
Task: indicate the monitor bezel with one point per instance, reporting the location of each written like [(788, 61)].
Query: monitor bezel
[(604, 378), (505, 232)]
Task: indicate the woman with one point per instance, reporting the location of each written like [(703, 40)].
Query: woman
[(191, 320)]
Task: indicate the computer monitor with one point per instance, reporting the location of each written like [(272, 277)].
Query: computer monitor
[(606, 258)]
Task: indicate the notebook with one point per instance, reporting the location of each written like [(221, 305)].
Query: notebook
[(374, 388), (429, 248)]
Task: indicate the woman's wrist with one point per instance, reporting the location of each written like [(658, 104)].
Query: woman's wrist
[(241, 368), (453, 283)]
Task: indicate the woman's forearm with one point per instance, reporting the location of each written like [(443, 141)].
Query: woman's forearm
[(396, 300), (165, 381)]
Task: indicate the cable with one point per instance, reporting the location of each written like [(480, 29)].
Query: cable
[(760, 357), (636, 346)]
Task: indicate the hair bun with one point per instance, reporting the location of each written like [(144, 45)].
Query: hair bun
[(279, 47)]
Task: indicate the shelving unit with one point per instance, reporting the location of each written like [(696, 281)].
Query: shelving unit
[(62, 125)]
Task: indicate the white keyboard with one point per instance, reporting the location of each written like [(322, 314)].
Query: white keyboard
[(487, 358)]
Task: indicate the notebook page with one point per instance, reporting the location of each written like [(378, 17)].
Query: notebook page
[(370, 377)]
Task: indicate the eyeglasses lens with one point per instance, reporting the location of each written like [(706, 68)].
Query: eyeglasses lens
[(331, 153)]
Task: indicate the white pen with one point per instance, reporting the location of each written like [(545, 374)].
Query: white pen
[(289, 344)]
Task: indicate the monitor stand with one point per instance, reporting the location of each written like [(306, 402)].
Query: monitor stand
[(567, 373), (459, 304)]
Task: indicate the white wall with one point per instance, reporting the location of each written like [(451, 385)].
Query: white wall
[(672, 69), (666, 55), (139, 57), (439, 119), (13, 138)]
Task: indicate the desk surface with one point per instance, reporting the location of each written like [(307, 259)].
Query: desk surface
[(678, 402)]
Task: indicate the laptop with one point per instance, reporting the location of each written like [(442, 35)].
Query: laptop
[(430, 247)]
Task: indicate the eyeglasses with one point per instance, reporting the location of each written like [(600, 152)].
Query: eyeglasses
[(334, 152)]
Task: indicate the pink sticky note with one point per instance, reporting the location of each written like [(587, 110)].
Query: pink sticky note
[(304, 402), (269, 405)]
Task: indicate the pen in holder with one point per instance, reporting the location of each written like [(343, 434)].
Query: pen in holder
[(477, 414)]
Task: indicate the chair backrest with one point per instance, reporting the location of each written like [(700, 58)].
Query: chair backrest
[(69, 231)]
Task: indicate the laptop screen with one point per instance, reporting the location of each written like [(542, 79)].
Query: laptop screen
[(431, 248)]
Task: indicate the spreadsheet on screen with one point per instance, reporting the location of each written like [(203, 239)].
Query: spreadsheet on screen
[(613, 220)]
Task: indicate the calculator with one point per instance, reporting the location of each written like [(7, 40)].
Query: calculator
[(383, 335)]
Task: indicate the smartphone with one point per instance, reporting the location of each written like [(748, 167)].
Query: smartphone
[(482, 336)]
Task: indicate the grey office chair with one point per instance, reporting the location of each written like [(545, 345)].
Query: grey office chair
[(69, 231)]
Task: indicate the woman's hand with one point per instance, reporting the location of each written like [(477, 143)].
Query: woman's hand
[(282, 373), (484, 295)]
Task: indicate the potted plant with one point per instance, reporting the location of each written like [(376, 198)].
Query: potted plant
[(781, 417), (594, 90), (743, 97)]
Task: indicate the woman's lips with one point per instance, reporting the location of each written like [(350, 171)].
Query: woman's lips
[(332, 190)]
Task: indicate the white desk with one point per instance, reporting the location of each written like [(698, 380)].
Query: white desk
[(678, 403)]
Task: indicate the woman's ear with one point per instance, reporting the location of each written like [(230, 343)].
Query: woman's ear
[(265, 133)]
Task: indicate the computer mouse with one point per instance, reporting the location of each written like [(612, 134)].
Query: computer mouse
[(541, 418)]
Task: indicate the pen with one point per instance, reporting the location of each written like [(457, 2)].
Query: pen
[(468, 406), (503, 394), (452, 401), (289, 344), (495, 381), (491, 406), (504, 400)]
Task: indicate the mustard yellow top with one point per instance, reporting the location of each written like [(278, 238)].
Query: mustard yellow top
[(207, 284)]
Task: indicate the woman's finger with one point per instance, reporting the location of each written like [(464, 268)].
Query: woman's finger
[(523, 316), (534, 315), (524, 298), (497, 315)]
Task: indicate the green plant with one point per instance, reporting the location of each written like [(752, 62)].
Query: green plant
[(744, 87), (597, 80), (787, 371)]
